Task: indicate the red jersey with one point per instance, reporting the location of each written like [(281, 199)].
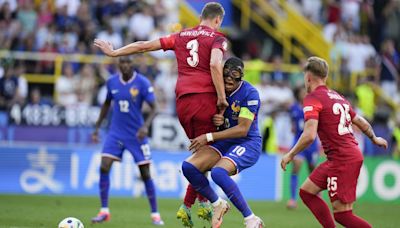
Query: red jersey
[(192, 48), (334, 114)]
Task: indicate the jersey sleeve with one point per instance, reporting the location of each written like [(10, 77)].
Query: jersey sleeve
[(168, 42), (312, 108), (148, 92), (250, 106), (352, 112), (221, 43)]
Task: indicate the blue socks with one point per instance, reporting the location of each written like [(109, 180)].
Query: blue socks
[(293, 186), (198, 181), (104, 186), (151, 194), (221, 177)]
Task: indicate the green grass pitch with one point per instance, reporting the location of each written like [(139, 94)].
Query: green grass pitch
[(47, 211)]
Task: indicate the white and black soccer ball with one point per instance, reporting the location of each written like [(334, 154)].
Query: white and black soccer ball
[(70, 222)]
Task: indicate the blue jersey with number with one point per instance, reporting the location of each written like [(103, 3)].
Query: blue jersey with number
[(245, 96), (243, 152), (128, 98), (297, 116)]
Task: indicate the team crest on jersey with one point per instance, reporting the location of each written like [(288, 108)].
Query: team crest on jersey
[(134, 92), (235, 109)]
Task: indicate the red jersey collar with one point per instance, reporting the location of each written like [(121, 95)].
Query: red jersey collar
[(205, 26), (321, 87)]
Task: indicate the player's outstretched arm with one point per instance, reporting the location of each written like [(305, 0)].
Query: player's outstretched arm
[(216, 67), (238, 131), (102, 116), (366, 128), (132, 48), (307, 137)]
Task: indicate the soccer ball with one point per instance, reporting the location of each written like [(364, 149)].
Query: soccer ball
[(70, 222)]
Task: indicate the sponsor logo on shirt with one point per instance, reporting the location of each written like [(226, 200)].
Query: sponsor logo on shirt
[(252, 102), (308, 108), (114, 91)]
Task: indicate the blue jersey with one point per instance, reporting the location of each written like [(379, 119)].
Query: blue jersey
[(128, 98), (245, 96), (297, 115), (243, 152)]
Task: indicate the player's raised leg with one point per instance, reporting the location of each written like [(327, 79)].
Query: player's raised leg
[(104, 186), (309, 194), (194, 169)]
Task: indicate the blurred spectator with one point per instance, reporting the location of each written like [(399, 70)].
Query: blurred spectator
[(27, 16), (12, 4), (71, 6), (8, 88), (389, 75), (35, 97), (86, 84), (141, 24), (110, 35), (277, 75), (66, 87), (45, 16)]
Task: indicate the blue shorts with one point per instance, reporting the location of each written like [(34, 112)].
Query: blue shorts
[(310, 154), (242, 154), (115, 146)]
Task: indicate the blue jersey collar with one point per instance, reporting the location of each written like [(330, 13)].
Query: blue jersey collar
[(129, 81), (241, 83)]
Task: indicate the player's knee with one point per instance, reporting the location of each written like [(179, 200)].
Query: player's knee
[(145, 172), (218, 174), (104, 168), (304, 195), (187, 168)]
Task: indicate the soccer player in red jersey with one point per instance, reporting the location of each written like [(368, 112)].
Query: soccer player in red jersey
[(200, 87), (329, 114)]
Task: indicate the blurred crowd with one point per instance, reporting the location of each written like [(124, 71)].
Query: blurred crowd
[(365, 35)]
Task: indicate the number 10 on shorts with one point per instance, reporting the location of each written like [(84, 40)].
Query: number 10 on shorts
[(332, 186)]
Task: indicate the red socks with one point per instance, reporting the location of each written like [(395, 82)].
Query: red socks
[(319, 208), (190, 196), (349, 220)]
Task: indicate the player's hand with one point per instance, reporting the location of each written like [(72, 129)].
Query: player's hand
[(286, 159), (222, 104), (95, 136), (142, 133), (197, 143), (379, 141), (218, 120), (105, 46)]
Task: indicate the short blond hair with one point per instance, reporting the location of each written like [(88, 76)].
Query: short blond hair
[(317, 66)]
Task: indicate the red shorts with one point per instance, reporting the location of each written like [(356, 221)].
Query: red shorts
[(339, 178), (195, 112)]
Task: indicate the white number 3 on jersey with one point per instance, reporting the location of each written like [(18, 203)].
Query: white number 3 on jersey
[(193, 46), (343, 110)]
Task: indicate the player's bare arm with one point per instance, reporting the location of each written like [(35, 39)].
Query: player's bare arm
[(216, 67), (103, 113), (307, 137), (366, 128), (238, 131), (132, 48), (144, 130)]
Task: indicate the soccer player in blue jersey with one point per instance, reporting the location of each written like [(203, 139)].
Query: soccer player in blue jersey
[(128, 131), (231, 150), (310, 154)]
